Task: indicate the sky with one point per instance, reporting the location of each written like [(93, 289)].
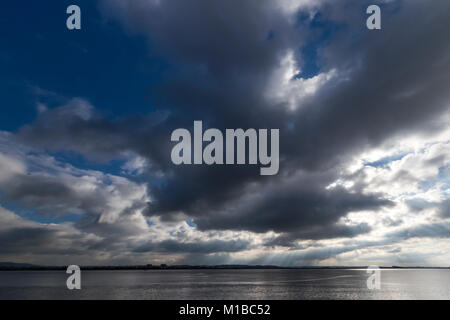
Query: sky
[(86, 118)]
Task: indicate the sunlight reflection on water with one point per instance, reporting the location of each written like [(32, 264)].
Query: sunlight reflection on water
[(228, 284)]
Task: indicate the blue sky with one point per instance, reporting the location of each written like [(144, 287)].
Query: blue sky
[(92, 63)]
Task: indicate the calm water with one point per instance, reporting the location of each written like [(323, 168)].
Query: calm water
[(227, 284)]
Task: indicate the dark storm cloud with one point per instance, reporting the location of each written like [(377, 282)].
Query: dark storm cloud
[(77, 126), (222, 57), (220, 39), (203, 247), (42, 240), (25, 239), (306, 213)]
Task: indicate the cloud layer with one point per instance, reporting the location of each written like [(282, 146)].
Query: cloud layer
[(364, 142)]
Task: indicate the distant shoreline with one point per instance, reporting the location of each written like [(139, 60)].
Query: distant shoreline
[(19, 267)]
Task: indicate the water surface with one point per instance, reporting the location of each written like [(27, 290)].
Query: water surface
[(227, 284)]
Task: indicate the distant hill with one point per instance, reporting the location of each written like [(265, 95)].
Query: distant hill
[(17, 265)]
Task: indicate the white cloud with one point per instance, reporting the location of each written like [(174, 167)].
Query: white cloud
[(284, 87), (135, 164), (413, 173)]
